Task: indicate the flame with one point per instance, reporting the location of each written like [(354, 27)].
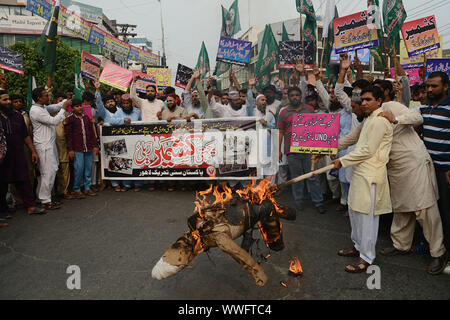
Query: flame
[(256, 194), (295, 267), (221, 198), (198, 245), (283, 284)]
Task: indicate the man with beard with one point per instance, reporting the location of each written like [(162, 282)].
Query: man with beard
[(173, 111), (272, 103), (44, 137), (412, 182), (234, 109), (298, 163), (191, 101), (436, 136), (14, 169), (106, 108), (150, 106)]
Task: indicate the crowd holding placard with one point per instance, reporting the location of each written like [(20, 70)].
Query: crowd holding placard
[(393, 145)]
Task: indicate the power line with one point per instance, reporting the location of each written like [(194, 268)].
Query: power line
[(426, 10), (421, 5)]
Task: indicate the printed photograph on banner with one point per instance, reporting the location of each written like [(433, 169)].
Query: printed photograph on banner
[(120, 165), (115, 148), (363, 56), (354, 32), (73, 23), (421, 35), (315, 133)]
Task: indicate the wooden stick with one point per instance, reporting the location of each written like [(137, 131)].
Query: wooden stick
[(301, 36), (306, 176)]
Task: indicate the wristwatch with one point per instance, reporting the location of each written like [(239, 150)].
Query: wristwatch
[(396, 120)]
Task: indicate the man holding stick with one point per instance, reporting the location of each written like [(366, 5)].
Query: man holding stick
[(369, 189)]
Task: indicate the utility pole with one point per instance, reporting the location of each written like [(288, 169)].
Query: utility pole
[(164, 61)]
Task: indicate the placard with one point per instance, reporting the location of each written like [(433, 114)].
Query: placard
[(413, 73), (363, 55), (143, 81), (90, 66), (184, 74), (354, 32), (116, 76), (417, 61), (225, 149), (421, 35), (438, 65), (290, 52), (11, 60), (162, 76), (234, 51), (315, 133)]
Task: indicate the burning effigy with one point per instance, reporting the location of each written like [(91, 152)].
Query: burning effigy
[(217, 224)]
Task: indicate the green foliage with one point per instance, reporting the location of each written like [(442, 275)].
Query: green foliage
[(63, 78)]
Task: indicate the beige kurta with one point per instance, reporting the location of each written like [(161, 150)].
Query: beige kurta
[(369, 159), (411, 174)]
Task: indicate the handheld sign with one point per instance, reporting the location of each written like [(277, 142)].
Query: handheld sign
[(143, 81), (11, 60), (116, 76), (162, 76), (90, 66), (184, 74), (290, 52), (315, 133), (363, 56), (417, 61), (354, 32), (234, 51), (421, 35), (438, 65)]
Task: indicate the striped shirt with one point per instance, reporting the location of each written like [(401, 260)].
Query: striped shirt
[(436, 133)]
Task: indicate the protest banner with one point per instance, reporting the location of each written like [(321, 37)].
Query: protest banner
[(354, 32), (315, 133), (73, 23), (184, 74), (290, 52), (162, 76), (116, 76), (363, 56), (199, 150), (147, 58), (421, 35), (97, 36), (143, 81), (11, 60), (41, 8), (90, 66), (438, 65), (234, 51), (116, 46), (417, 61)]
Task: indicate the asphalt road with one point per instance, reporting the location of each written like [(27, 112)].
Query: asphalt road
[(116, 238)]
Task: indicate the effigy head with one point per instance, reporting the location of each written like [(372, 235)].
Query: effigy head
[(176, 258)]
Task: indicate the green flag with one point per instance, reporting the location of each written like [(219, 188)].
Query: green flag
[(310, 26), (267, 58), (79, 84), (329, 45), (232, 21), (394, 15), (203, 62), (47, 44), (31, 87), (222, 67), (374, 12)]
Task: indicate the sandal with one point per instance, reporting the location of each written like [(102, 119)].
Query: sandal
[(351, 252), (3, 224), (117, 189), (358, 266), (392, 251), (37, 210), (78, 195), (50, 206)]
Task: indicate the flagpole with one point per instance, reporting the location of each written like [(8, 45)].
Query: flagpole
[(301, 36)]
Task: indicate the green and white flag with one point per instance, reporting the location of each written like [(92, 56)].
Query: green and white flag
[(31, 87), (203, 62), (79, 88), (232, 21), (267, 58), (394, 15), (222, 67), (310, 26), (374, 12), (47, 44)]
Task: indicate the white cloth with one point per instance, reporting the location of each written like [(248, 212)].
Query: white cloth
[(149, 110), (365, 230), (226, 111), (48, 166)]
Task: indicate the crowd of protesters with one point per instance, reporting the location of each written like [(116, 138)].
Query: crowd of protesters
[(394, 148)]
